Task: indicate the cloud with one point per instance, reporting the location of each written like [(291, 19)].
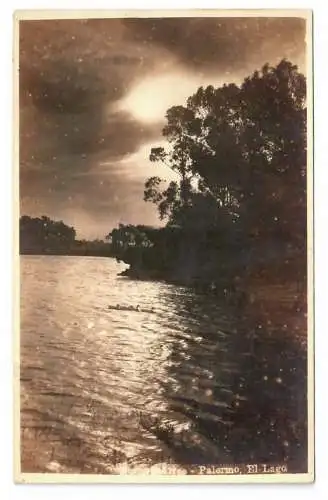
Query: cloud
[(67, 87), (224, 44)]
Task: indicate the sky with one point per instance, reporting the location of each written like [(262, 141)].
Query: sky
[(93, 96)]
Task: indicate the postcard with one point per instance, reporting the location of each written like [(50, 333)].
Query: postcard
[(164, 245)]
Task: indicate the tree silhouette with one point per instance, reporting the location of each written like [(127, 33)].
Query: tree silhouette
[(43, 235), (240, 153)]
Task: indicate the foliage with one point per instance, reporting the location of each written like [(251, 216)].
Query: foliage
[(240, 199), (240, 153), (45, 235)]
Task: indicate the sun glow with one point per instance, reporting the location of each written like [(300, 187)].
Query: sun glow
[(152, 97)]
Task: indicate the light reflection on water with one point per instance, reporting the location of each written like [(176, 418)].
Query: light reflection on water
[(98, 386)]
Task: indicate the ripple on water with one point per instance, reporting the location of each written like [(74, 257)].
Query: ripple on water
[(107, 388)]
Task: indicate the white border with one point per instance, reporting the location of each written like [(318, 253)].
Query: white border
[(321, 189), (138, 478)]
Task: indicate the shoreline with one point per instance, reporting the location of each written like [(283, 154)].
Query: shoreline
[(264, 303)]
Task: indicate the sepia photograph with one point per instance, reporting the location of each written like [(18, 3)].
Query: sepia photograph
[(164, 312)]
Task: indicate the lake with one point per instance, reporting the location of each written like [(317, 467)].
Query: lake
[(190, 382)]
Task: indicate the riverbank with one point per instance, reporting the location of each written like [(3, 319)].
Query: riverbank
[(262, 301)]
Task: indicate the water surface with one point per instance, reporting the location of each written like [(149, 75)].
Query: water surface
[(189, 383)]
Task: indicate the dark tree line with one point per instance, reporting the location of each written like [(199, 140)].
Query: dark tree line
[(41, 235), (44, 235)]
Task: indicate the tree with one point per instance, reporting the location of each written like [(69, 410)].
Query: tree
[(43, 235), (240, 153), (128, 241)]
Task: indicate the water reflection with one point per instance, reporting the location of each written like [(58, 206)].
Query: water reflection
[(241, 386), (192, 383)]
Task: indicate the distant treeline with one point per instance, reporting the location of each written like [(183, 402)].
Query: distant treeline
[(43, 236), (239, 209)]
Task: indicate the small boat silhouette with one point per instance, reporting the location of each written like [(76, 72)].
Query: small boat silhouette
[(120, 307)]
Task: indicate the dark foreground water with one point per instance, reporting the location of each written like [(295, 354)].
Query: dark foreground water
[(190, 383)]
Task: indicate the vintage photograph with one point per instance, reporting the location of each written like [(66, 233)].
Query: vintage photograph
[(164, 246)]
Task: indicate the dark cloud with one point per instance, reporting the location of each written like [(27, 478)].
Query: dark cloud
[(73, 73), (70, 81), (224, 43)]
